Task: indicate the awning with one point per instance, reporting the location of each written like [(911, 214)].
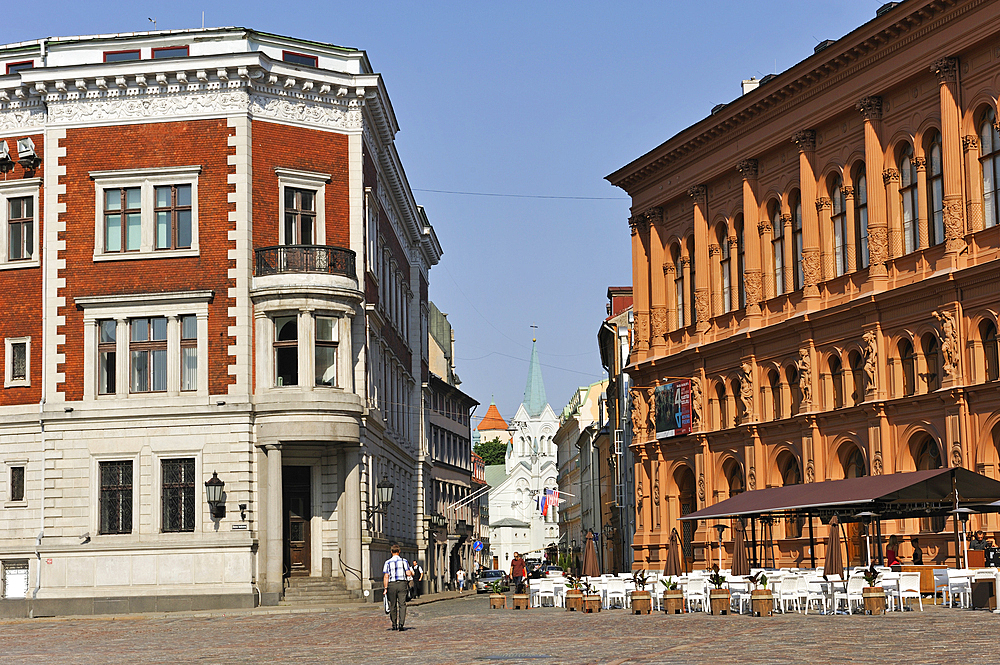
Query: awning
[(893, 496)]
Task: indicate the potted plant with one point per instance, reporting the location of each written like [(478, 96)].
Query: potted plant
[(521, 598), (718, 596), (673, 597), (761, 600), (574, 594), (873, 596), (642, 600), (498, 600), (591, 599)]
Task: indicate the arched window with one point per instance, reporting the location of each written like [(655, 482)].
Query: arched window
[(838, 219), (854, 465), (929, 347), (857, 377), (988, 336), (725, 286), (774, 381), (791, 475), (908, 363), (989, 160), (734, 477), (928, 456), (792, 379), (836, 382), (778, 249), (740, 265), (908, 194), (679, 287), (796, 207), (720, 397), (861, 216), (935, 191)]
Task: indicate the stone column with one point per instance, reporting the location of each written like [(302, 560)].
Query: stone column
[(352, 519), (890, 179), (946, 70), (850, 233), (878, 254), (275, 521), (307, 357), (766, 288), (753, 259), (828, 268), (734, 272), (689, 307), (787, 220), (640, 285), (806, 141), (701, 314), (715, 278), (658, 296), (970, 144), (669, 275), (923, 214)]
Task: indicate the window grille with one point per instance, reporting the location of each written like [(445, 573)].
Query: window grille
[(178, 495), (116, 497)]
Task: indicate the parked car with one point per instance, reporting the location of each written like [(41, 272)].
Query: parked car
[(488, 577), (553, 571)]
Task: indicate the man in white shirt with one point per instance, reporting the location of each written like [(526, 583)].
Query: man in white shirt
[(396, 574)]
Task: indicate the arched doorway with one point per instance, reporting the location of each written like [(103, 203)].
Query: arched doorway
[(926, 456), (853, 465), (687, 498)]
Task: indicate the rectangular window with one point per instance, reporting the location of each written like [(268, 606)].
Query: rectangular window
[(172, 210), (17, 483), (189, 353), (300, 216), (300, 58), (326, 351), (122, 56), (286, 351), (170, 52), (20, 228), (18, 361), (148, 351), (106, 351), (13, 67), (116, 497), (178, 495), (122, 219), (15, 578)]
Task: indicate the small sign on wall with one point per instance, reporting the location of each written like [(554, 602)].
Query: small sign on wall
[(241, 527)]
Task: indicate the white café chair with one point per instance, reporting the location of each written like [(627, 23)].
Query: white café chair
[(959, 584), (940, 584), (615, 590), (908, 588), (696, 591), (788, 592), (739, 593), (559, 591), (816, 592), (854, 593)]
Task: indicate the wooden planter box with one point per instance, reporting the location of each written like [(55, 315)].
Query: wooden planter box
[(642, 602), (591, 604), (761, 603), (521, 601), (498, 601), (874, 599), (719, 601), (673, 602), (574, 600)]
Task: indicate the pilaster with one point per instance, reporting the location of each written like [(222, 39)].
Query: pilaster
[(806, 141)]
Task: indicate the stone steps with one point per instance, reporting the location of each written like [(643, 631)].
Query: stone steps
[(317, 591)]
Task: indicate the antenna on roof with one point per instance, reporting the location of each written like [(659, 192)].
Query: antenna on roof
[(203, 20)]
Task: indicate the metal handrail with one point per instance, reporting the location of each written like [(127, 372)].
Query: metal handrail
[(304, 258)]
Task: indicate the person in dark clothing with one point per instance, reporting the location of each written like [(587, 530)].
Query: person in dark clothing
[(979, 541), (918, 555)]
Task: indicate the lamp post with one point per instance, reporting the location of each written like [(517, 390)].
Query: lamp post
[(867, 516), (720, 528), (963, 515), (213, 495)]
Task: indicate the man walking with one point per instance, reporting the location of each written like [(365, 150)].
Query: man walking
[(517, 572), (460, 577), (395, 584), (418, 574)]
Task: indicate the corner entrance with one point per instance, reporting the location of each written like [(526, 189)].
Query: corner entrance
[(296, 494)]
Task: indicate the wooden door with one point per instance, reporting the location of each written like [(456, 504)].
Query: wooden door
[(296, 491)]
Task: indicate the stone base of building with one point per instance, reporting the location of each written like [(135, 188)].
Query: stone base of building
[(49, 607)]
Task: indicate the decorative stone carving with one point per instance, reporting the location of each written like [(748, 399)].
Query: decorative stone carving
[(970, 143), (752, 280), (669, 270), (889, 176), (734, 243), (870, 107), (763, 227), (954, 222), (956, 455), (920, 163), (810, 472), (696, 405), (949, 341), (810, 265), (752, 479), (659, 323), (804, 367), (701, 304), (115, 106), (823, 203), (698, 192), (747, 169), (638, 501), (642, 330), (701, 486), (656, 493), (650, 397), (654, 215), (877, 464), (20, 116), (640, 415), (714, 250), (805, 139), (878, 245), (946, 70), (746, 391), (848, 192), (871, 361)]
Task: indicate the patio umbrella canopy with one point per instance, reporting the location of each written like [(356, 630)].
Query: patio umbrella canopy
[(833, 564), (590, 565), (673, 565), (741, 563)]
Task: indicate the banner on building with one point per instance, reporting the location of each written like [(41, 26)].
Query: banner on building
[(673, 408)]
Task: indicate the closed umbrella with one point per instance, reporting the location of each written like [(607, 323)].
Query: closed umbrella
[(833, 564), (673, 565), (741, 563), (590, 565)]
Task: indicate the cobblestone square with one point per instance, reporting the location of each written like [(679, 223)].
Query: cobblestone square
[(465, 630)]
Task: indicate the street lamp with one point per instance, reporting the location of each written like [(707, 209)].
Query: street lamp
[(213, 494), (383, 492)]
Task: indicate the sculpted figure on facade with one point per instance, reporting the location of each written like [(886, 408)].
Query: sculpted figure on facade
[(949, 341), (639, 415), (695, 405), (805, 376), (746, 392), (871, 359), (650, 397)]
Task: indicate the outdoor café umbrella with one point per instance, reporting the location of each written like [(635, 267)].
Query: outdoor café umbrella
[(673, 565), (833, 564), (590, 565), (741, 564)]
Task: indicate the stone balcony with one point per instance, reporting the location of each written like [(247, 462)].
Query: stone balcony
[(304, 270)]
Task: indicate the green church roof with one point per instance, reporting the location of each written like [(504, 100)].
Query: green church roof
[(534, 392)]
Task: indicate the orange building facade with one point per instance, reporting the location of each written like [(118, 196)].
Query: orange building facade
[(820, 257)]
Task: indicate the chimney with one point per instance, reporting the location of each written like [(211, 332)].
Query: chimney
[(751, 84)]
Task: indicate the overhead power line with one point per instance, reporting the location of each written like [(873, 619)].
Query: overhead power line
[(525, 196)]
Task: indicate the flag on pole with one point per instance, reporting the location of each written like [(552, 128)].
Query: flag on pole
[(545, 503)]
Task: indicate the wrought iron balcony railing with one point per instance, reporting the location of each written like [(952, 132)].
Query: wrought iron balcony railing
[(305, 258)]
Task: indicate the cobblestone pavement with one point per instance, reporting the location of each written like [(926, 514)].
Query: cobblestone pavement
[(465, 630)]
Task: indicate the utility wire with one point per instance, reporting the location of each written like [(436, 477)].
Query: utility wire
[(524, 196)]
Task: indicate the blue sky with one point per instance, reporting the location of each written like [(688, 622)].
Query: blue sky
[(537, 99)]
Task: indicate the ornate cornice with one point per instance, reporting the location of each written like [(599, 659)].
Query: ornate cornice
[(747, 169), (805, 139), (870, 107), (946, 70)]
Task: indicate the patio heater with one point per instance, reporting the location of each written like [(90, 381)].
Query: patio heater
[(721, 528), (963, 514), (866, 517)]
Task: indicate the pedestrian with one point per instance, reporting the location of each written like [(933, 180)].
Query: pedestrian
[(517, 572), (460, 577), (396, 576), (418, 574)]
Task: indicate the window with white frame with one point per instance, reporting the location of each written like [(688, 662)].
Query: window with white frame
[(17, 362), (146, 213), (326, 351), (19, 218), (301, 201), (142, 344), (286, 350), (115, 497), (16, 485)]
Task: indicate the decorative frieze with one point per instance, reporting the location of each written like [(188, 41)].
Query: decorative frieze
[(752, 281), (659, 323)]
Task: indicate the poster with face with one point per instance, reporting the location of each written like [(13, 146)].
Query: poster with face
[(673, 408)]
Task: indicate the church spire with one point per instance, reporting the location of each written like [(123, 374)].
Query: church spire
[(534, 392)]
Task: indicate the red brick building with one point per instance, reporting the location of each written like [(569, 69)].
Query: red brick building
[(211, 263)]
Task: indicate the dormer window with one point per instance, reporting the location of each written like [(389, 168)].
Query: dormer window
[(300, 59), (13, 67), (122, 56), (170, 52)]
